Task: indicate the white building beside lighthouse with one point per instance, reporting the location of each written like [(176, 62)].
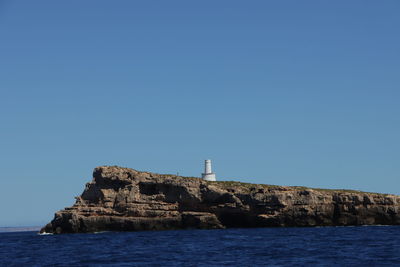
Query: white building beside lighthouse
[(208, 175)]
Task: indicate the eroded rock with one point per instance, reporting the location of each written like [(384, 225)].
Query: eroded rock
[(122, 199)]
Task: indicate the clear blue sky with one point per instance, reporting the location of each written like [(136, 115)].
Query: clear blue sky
[(276, 92)]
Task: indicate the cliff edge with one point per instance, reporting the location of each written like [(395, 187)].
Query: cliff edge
[(122, 199)]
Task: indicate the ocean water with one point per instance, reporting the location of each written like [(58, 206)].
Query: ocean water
[(325, 246)]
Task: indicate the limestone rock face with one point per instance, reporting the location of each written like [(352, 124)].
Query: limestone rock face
[(122, 199)]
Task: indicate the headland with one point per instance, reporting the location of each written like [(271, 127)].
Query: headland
[(123, 199)]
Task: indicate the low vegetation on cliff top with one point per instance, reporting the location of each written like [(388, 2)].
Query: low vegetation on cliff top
[(227, 184), (250, 186)]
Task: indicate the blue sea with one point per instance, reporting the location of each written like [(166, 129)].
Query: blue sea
[(324, 246)]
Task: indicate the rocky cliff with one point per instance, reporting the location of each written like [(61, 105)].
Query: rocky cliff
[(122, 199)]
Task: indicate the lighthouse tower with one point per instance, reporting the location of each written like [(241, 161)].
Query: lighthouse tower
[(208, 175)]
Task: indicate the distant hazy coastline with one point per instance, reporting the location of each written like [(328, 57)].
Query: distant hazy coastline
[(19, 229)]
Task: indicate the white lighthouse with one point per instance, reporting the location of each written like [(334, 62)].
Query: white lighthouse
[(208, 175)]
